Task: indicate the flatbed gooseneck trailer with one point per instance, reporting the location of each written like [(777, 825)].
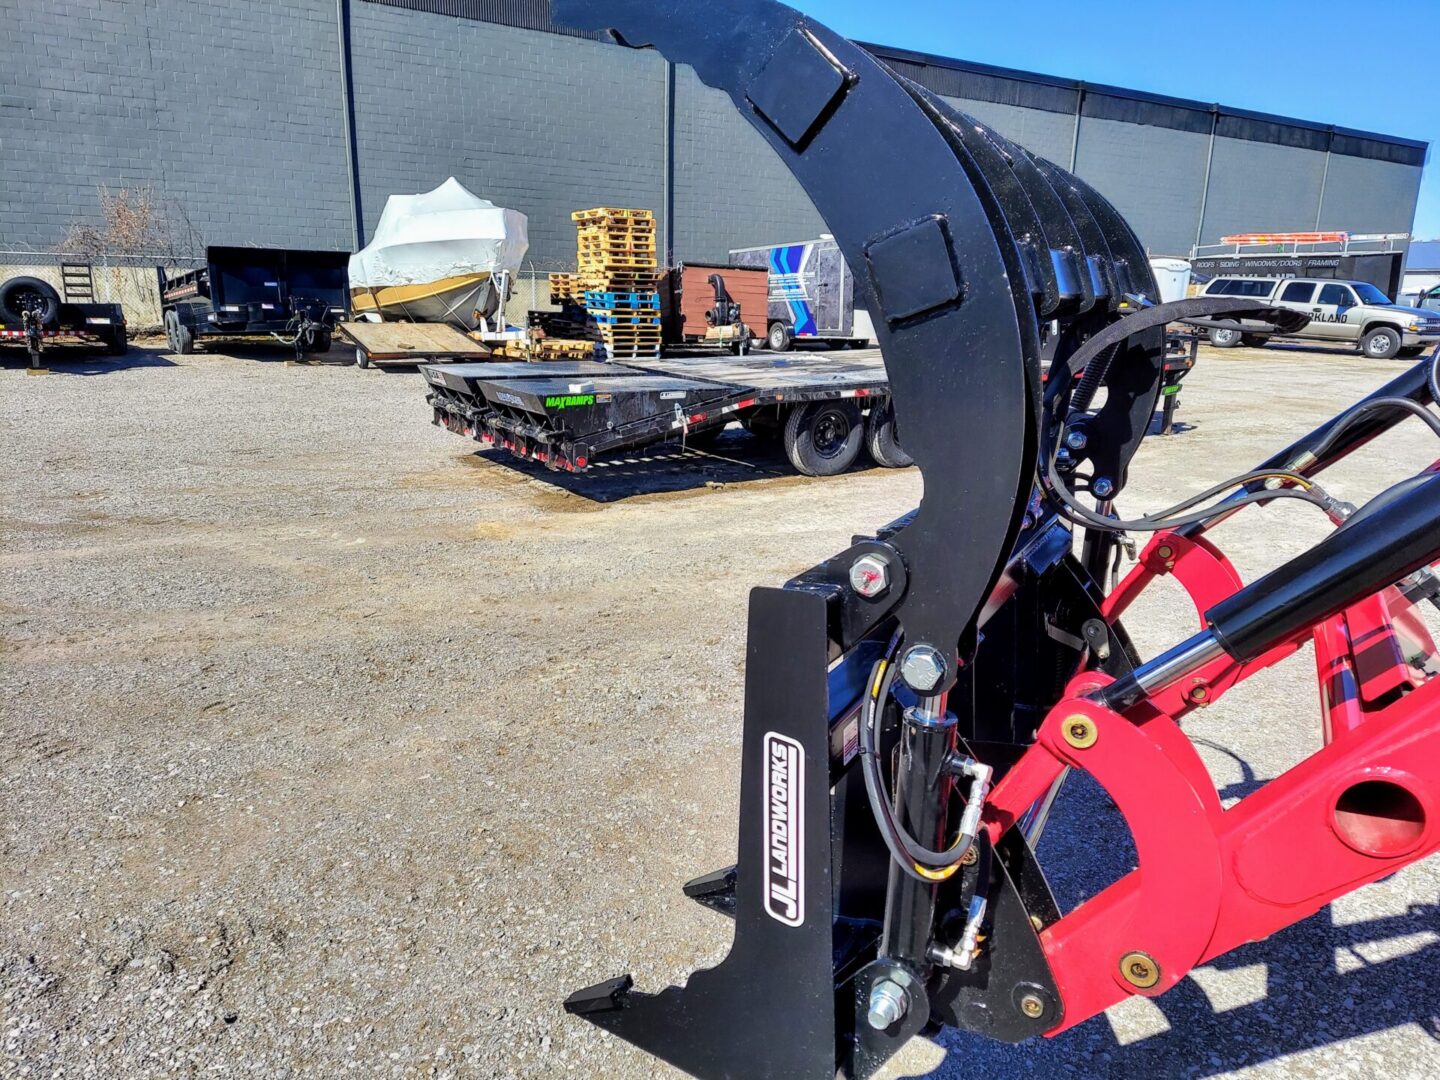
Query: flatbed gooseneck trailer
[(566, 414)]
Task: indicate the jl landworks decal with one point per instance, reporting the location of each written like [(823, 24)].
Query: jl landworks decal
[(784, 829)]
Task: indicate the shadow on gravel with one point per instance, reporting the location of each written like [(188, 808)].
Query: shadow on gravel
[(1324, 982), (83, 360), (664, 468)]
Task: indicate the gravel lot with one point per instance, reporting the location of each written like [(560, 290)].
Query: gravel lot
[(331, 748)]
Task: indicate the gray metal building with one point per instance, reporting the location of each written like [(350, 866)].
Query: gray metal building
[(288, 122)]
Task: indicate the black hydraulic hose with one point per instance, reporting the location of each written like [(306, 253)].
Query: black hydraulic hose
[(903, 848), (1433, 375), (1359, 412), (1163, 520)]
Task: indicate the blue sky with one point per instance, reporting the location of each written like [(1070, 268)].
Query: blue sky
[(1278, 56)]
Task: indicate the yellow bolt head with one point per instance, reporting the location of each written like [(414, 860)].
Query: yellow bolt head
[(1139, 970), (1080, 731)]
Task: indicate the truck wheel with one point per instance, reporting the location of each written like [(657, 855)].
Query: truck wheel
[(1224, 338), (180, 336), (1381, 343), (118, 343), (362, 358), (779, 339), (823, 438), (882, 440), (22, 294)]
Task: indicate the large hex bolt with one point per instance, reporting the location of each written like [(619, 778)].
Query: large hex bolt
[(887, 1004), (922, 668), (870, 576), (1103, 487)]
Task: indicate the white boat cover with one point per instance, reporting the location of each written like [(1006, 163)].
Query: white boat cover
[(448, 232)]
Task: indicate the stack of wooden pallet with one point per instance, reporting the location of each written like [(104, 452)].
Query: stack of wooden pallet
[(565, 287), (618, 271)]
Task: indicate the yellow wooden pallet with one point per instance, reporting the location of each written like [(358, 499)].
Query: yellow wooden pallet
[(602, 213)]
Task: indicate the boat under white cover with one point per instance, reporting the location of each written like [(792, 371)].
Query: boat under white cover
[(439, 256)]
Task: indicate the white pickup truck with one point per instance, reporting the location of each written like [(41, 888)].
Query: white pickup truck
[(1340, 311)]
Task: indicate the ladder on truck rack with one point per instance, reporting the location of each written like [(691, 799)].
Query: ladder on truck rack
[(77, 282)]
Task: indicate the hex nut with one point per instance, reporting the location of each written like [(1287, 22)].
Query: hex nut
[(922, 668), (870, 576)]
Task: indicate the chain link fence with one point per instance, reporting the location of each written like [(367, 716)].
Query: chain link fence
[(132, 281)]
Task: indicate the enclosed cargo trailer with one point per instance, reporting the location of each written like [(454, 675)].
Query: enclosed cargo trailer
[(811, 294)]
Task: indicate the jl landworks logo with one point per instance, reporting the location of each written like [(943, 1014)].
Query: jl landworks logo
[(566, 401), (784, 829)]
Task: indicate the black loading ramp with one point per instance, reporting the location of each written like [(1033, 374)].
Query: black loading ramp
[(565, 413)]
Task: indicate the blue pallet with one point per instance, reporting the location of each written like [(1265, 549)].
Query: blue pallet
[(622, 299)]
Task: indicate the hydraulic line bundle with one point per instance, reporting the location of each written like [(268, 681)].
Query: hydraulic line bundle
[(913, 705)]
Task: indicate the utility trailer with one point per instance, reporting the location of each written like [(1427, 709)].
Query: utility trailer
[(565, 414), (296, 295), (33, 312), (811, 295)]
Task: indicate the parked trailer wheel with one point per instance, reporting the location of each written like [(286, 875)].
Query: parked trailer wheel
[(180, 336), (362, 358), (1222, 337), (882, 440), (21, 294), (823, 438), (1381, 343), (779, 339)]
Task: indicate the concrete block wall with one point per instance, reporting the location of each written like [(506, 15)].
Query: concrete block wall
[(1155, 176), (731, 189), (1368, 196), (538, 122), (233, 111), (1257, 186)]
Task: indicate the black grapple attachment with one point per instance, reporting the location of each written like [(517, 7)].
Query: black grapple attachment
[(980, 264)]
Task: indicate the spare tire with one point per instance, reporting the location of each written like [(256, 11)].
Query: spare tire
[(27, 293)]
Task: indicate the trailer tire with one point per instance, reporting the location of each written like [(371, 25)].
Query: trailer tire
[(180, 336), (1381, 343), (1225, 337), (20, 293), (118, 343), (823, 438), (779, 339), (362, 359), (882, 440)]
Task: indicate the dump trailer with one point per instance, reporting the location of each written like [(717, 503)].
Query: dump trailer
[(914, 704), (565, 414), (34, 313), (812, 294), (295, 295)]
